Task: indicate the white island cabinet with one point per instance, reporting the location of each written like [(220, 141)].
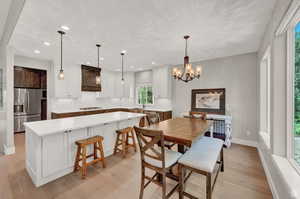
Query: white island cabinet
[(50, 144)]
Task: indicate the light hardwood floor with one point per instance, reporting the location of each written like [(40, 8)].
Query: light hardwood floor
[(243, 178)]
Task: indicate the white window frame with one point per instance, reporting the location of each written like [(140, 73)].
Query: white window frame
[(265, 62), (290, 90), (137, 93)]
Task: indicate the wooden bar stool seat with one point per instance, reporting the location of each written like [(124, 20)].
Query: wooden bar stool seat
[(82, 156), (123, 138)]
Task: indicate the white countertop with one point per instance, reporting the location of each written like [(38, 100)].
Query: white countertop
[(47, 127), (61, 111)]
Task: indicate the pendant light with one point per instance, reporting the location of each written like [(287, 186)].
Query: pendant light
[(61, 74), (122, 55), (188, 73), (98, 78)]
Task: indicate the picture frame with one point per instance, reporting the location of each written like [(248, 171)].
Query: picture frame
[(208, 100)]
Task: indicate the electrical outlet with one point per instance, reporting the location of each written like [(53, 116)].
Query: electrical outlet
[(248, 133)]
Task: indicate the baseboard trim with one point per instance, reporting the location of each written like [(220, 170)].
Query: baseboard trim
[(268, 174), (9, 150), (244, 142)]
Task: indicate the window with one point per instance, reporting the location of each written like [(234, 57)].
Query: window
[(296, 89), (144, 94), (264, 104)]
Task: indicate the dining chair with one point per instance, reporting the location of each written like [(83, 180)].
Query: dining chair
[(154, 156), (154, 118)]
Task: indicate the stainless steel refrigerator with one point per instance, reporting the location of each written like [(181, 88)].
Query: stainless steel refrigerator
[(27, 107)]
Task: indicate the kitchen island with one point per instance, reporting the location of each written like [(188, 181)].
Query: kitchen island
[(50, 144)]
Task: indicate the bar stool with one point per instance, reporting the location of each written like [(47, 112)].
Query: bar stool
[(123, 137), (82, 154)]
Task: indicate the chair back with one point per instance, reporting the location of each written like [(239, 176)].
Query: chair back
[(148, 140), (198, 115), (152, 117)]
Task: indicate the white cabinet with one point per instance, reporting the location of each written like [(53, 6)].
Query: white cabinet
[(73, 136), (54, 154), (108, 132), (70, 86), (59, 150), (161, 82)]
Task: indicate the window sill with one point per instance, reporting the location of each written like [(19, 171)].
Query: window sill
[(289, 174)]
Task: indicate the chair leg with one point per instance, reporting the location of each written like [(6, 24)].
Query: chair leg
[(116, 144), (83, 167), (164, 186), (181, 181), (222, 160), (208, 186), (76, 165), (124, 148), (102, 154), (142, 182), (133, 140)]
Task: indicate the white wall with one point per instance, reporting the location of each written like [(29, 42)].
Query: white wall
[(238, 75), (278, 184), (6, 63)]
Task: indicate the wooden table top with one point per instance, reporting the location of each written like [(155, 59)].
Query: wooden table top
[(182, 130)]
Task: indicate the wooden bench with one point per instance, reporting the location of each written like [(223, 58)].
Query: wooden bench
[(202, 158), (82, 154)]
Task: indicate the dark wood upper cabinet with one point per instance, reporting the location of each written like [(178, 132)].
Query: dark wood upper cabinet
[(43, 79), (29, 78), (88, 76)]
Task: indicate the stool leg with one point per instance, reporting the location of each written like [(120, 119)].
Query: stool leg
[(77, 158), (102, 154), (95, 151), (124, 148), (133, 140), (83, 167), (117, 142)]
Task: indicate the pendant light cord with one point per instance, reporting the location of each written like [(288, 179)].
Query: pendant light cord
[(61, 48), (122, 65)]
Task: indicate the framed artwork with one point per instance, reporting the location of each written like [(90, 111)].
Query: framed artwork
[(209, 100)]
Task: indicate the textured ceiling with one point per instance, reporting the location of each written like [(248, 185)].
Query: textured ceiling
[(149, 30)]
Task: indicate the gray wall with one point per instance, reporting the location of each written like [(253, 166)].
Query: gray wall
[(238, 75)]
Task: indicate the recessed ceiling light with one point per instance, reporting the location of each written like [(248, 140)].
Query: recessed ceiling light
[(65, 27), (118, 69), (46, 43), (140, 69), (37, 51), (101, 58), (123, 51), (131, 66), (152, 62)]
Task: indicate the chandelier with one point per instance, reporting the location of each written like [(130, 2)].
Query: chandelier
[(188, 73)]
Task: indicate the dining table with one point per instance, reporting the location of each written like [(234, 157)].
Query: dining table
[(183, 131)]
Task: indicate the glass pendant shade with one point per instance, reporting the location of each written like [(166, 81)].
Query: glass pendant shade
[(61, 75), (122, 81), (98, 79)]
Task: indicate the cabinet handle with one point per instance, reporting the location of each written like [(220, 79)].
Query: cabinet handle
[(105, 123)]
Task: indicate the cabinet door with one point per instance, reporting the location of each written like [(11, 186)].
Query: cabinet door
[(108, 132), (54, 153), (32, 79), (19, 77), (74, 136), (43, 79)]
